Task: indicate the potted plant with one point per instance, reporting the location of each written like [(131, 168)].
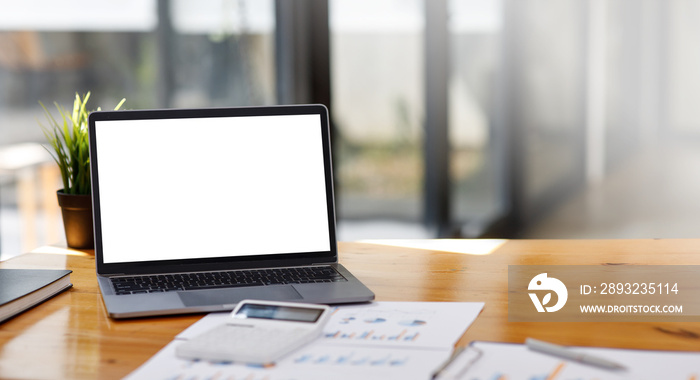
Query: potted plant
[(68, 137)]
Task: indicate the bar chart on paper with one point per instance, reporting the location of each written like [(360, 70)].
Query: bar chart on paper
[(398, 324), (339, 361), (352, 358), (369, 335), (553, 374), (342, 356)]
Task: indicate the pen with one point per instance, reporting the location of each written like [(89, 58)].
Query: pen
[(566, 353)]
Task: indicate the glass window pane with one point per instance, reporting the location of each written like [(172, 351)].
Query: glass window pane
[(682, 62), (78, 15), (220, 53), (223, 52), (545, 69), (476, 173), (377, 76)]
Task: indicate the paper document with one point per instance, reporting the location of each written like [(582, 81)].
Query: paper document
[(508, 361), (402, 324), (316, 361), (381, 340)]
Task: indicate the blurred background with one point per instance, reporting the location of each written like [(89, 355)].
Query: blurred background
[(451, 118)]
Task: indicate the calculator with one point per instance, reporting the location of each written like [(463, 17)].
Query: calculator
[(258, 332)]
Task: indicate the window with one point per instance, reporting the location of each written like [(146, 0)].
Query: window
[(156, 53), (477, 146), (377, 77)]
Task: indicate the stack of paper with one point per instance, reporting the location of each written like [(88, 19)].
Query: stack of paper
[(382, 340), (510, 361)]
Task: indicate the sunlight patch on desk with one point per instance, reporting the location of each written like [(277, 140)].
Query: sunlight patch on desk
[(59, 251), (464, 246)]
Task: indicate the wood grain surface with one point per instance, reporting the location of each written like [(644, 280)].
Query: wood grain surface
[(71, 336)]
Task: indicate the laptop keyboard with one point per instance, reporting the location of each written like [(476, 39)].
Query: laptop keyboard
[(226, 279)]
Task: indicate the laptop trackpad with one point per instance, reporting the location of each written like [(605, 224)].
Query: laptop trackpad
[(233, 296)]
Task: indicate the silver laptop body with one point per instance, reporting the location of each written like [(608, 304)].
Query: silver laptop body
[(182, 192)]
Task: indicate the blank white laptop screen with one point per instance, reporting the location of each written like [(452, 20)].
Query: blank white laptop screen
[(211, 187)]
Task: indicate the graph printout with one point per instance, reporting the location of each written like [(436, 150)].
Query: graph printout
[(316, 361), (402, 324), (506, 361), (381, 340)]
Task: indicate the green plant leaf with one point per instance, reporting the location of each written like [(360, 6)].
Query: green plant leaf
[(69, 143)]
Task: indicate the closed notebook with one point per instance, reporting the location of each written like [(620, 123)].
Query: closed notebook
[(20, 289)]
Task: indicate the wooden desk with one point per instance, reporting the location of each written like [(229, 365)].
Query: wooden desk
[(70, 336)]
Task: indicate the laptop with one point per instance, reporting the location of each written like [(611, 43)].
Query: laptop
[(197, 209)]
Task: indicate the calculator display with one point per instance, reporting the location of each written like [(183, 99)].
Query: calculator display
[(279, 313)]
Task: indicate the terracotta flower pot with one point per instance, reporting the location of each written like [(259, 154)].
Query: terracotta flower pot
[(77, 219)]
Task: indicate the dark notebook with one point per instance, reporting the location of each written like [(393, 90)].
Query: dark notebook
[(20, 289)]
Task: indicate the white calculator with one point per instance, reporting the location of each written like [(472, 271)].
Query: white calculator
[(258, 332)]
